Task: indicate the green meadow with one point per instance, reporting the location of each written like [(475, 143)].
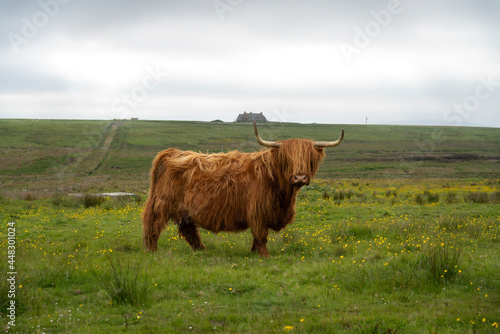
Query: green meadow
[(74, 152), (399, 233)]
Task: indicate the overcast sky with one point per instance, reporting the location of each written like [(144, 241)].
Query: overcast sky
[(395, 62)]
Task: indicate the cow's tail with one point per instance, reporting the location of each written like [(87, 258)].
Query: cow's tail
[(154, 218), (150, 234)]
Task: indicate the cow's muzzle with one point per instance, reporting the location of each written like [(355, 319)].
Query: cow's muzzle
[(299, 180)]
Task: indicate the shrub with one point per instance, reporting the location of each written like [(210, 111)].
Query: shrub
[(29, 196), (124, 284), (339, 195), (451, 197), (137, 199), (92, 200), (441, 262), (57, 200), (426, 197), (350, 194), (495, 197), (419, 199), (390, 193), (478, 197), (431, 197)]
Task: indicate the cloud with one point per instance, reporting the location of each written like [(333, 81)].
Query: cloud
[(254, 56)]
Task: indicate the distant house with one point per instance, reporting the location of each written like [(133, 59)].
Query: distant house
[(251, 117)]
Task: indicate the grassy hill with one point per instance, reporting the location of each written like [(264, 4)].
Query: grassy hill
[(34, 151)]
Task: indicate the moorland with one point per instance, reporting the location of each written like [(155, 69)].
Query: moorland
[(399, 233)]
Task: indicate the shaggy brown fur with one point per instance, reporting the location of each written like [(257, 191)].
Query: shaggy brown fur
[(228, 191)]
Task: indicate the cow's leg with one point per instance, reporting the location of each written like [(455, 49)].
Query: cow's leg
[(260, 241), (188, 230)]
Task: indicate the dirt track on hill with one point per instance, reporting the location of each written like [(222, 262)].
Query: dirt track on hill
[(110, 137), (102, 153)]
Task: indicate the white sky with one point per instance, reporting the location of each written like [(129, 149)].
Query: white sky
[(399, 62)]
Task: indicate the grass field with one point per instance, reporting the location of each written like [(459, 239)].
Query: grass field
[(399, 233), (42, 153), (363, 256)]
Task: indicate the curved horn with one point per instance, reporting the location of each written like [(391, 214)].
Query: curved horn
[(329, 143), (264, 142)]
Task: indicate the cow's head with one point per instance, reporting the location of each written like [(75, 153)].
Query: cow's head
[(297, 160)]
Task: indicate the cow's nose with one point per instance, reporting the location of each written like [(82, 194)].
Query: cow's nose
[(299, 180)]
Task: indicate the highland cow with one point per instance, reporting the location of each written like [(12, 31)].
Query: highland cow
[(230, 191)]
